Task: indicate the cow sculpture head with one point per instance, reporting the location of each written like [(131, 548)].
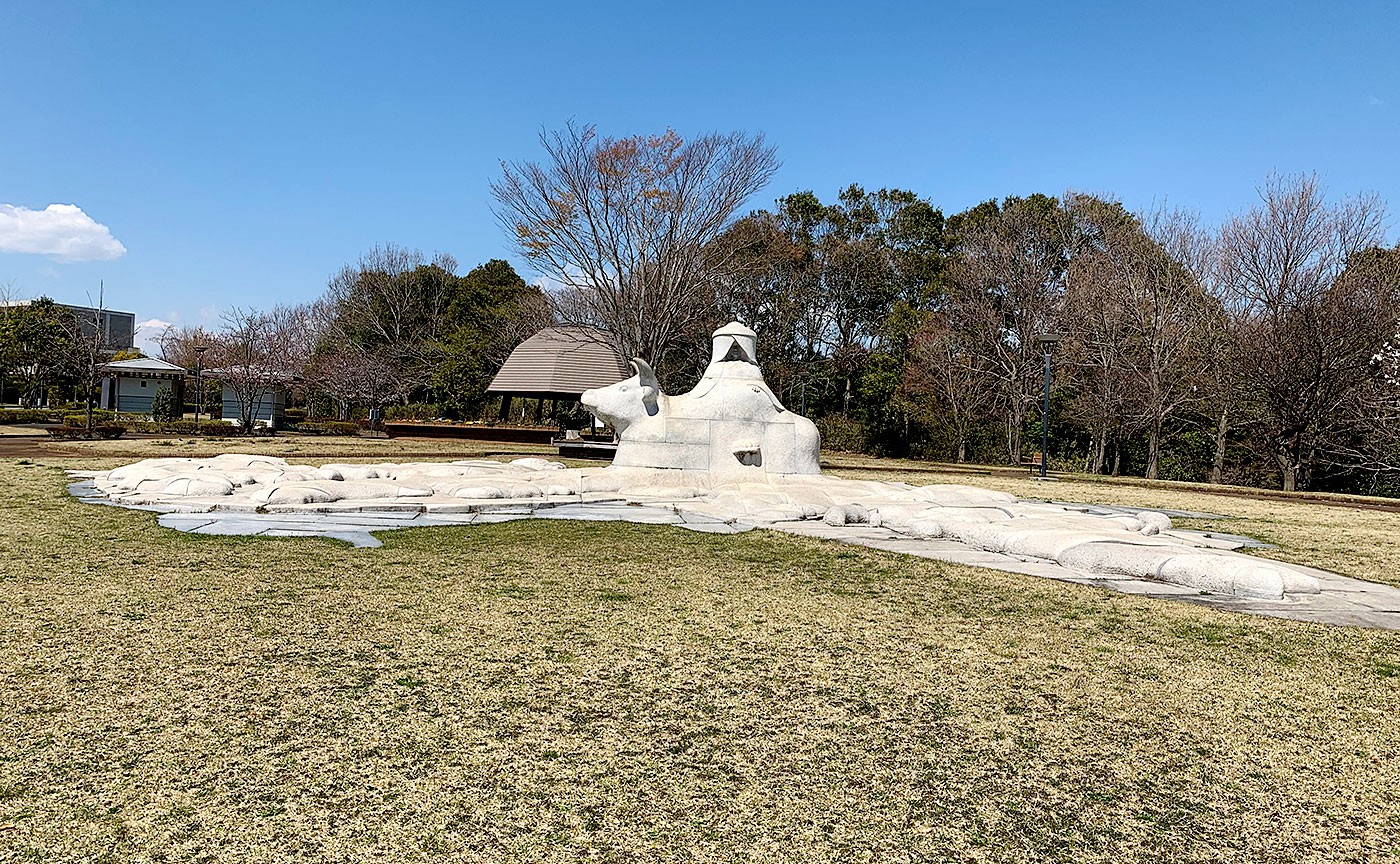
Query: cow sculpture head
[(628, 401)]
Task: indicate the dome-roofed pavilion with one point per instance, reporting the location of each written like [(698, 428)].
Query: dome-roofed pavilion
[(558, 363)]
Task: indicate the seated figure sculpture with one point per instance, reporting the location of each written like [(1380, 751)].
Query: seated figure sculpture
[(730, 424)]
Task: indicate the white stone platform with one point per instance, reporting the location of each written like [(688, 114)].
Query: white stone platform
[(1122, 549)]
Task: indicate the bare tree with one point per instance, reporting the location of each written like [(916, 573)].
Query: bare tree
[(1140, 311), (349, 375), (393, 303), (1168, 316), (1095, 356), (622, 226), (947, 377), (1222, 401), (257, 352), (1308, 336), (1008, 283), (1369, 443), (177, 344), (90, 349)]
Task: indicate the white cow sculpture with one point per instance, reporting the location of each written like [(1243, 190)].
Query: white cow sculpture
[(731, 424)]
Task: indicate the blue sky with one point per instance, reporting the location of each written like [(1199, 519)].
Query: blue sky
[(240, 153)]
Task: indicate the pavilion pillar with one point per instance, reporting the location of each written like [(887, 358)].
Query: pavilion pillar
[(505, 407)]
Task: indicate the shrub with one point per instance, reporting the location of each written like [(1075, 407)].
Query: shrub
[(842, 433), (101, 415), (100, 418), (413, 411), (80, 419), (32, 415), (329, 427), (182, 427), (219, 430), (574, 417), (163, 405), (294, 415), (81, 432)]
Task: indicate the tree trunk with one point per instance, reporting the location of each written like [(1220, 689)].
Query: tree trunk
[(1117, 459), (1289, 456), (1217, 468), (1013, 436), (1154, 449), (962, 449), (1100, 451)]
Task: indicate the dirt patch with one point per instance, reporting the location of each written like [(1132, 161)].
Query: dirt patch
[(28, 447)]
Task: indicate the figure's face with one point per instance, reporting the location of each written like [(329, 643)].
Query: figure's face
[(732, 349), (620, 404)]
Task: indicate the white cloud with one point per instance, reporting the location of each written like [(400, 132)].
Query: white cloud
[(148, 334), (61, 231), (1373, 99)]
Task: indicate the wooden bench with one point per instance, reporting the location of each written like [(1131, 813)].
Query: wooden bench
[(1035, 463)]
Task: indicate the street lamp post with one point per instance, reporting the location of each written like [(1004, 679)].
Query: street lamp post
[(198, 380), (1047, 343)]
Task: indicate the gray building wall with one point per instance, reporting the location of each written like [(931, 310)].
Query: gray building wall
[(269, 409), (135, 395), (120, 327)]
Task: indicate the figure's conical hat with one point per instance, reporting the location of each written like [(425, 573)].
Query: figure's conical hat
[(734, 341)]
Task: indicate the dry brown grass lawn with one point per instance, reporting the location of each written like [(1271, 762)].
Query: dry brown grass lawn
[(561, 691)]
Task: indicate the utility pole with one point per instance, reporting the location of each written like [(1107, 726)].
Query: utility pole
[(198, 381), (1047, 343)]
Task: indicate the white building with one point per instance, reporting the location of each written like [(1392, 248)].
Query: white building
[(130, 386)]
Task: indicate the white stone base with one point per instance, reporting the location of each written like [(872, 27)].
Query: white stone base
[(1104, 544)]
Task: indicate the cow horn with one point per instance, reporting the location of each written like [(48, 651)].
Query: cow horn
[(645, 373)]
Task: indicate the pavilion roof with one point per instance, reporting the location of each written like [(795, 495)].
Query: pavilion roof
[(560, 361)]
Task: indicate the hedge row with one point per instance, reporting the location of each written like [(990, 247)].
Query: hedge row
[(101, 415), (71, 432), (328, 427), (31, 415)]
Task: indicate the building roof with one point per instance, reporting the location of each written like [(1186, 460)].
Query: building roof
[(145, 364), (71, 307), (560, 361)]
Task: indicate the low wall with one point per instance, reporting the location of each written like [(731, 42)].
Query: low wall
[(503, 434)]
